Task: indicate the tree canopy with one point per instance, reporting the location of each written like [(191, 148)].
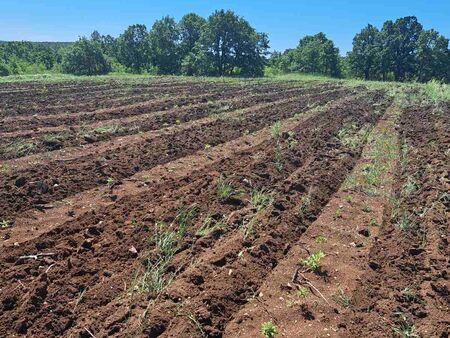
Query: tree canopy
[(133, 49), (401, 51), (85, 57), (225, 44), (314, 54)]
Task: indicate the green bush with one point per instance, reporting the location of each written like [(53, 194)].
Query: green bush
[(4, 70), (85, 57)]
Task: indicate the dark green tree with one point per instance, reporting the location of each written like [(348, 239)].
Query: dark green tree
[(163, 41), (399, 47), (433, 57), (317, 54), (85, 57), (4, 70), (229, 45), (133, 49), (190, 29), (364, 59)]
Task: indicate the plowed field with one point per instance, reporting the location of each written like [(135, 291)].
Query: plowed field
[(174, 207)]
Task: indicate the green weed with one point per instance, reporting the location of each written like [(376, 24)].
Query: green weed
[(405, 222), (225, 190), (261, 199), (342, 299), (4, 224), (437, 91), (269, 330), (276, 129), (313, 261), (320, 239), (17, 148), (303, 207), (108, 129), (208, 226), (183, 219)]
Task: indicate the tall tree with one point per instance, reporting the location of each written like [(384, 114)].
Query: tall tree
[(190, 28), (364, 58), (163, 41), (229, 45), (399, 40), (433, 57), (85, 57), (133, 49), (317, 54)]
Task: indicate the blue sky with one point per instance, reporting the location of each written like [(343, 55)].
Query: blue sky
[(285, 21)]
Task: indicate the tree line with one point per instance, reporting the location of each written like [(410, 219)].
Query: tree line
[(225, 44), (400, 51)]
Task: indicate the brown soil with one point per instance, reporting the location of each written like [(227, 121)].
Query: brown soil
[(80, 224)]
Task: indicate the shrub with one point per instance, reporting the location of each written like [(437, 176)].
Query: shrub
[(85, 57), (4, 70)]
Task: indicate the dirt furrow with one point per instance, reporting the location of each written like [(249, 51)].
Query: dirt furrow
[(99, 101), (46, 96), (35, 122), (60, 325), (406, 290), (54, 138), (38, 181), (303, 301)]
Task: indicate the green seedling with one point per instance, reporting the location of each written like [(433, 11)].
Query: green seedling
[(303, 207), (4, 224), (366, 208), (302, 292), (183, 219), (342, 299), (224, 190), (349, 199), (404, 223), (410, 186), (278, 159), (373, 222), (261, 199), (338, 213), (320, 239), (276, 129), (208, 226), (269, 330), (110, 182), (409, 295), (405, 329), (292, 142), (313, 261)]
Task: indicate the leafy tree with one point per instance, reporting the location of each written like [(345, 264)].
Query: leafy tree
[(190, 29), (133, 49), (163, 41), (229, 45), (433, 57), (85, 57), (364, 59), (399, 40), (4, 70), (317, 54), (96, 37)]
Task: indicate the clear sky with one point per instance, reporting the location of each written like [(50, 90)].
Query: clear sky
[(285, 21)]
